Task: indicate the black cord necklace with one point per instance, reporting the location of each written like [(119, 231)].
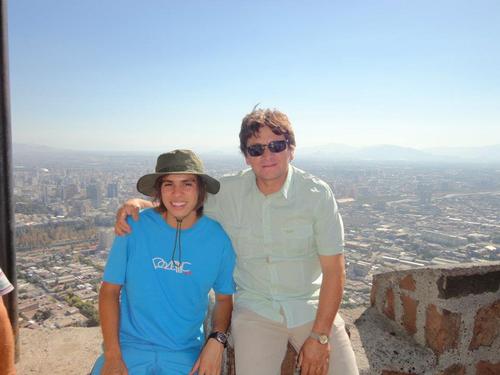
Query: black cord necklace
[(177, 240)]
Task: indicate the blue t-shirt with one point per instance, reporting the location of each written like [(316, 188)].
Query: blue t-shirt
[(163, 304)]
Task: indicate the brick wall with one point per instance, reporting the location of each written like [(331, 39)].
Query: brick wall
[(454, 311)]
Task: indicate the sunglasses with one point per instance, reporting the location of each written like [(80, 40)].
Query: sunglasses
[(274, 147)]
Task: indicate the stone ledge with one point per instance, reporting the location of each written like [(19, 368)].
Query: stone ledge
[(73, 350), (63, 351), (389, 350)]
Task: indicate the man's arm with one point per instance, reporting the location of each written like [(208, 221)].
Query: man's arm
[(314, 355), (210, 359), (6, 342), (133, 206), (129, 208), (109, 312)]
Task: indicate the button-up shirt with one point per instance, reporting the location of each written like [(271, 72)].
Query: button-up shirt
[(277, 239)]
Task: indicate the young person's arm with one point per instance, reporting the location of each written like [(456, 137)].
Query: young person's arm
[(109, 312), (129, 208), (6, 342), (313, 356), (210, 360)]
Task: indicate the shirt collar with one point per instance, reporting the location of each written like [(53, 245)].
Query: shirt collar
[(285, 189)]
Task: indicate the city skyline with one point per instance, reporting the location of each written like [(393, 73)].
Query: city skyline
[(395, 216), (328, 153), (161, 75)]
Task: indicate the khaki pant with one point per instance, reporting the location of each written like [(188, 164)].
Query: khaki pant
[(260, 344)]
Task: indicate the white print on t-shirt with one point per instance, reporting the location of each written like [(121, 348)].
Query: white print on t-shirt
[(172, 265)]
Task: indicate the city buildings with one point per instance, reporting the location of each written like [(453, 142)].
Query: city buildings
[(396, 216)]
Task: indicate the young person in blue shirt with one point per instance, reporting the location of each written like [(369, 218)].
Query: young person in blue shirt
[(154, 294)]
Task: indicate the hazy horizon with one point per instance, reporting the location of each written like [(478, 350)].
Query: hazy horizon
[(128, 76), (235, 147), (321, 154)]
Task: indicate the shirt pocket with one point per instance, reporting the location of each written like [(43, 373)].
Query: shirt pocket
[(245, 244), (296, 240)]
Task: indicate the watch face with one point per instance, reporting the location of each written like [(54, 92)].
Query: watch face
[(221, 337), (323, 339)]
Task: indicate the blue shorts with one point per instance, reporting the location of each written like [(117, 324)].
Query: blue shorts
[(153, 361)]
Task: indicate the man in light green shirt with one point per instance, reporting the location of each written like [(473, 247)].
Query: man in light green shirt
[(278, 238), (288, 237)]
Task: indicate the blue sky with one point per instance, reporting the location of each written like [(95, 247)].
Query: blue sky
[(154, 75)]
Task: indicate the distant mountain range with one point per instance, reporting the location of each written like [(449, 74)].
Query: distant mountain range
[(397, 153), (327, 152)]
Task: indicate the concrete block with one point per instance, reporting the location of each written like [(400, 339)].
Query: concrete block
[(409, 314), (455, 369), (487, 368), (408, 283), (486, 326), (389, 303), (441, 329)]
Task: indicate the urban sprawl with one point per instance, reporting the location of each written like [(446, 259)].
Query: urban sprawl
[(396, 215)]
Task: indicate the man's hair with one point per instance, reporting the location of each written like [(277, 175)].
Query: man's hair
[(272, 118), (202, 195)]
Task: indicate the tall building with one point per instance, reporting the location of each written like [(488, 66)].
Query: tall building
[(113, 190), (105, 237), (69, 191), (94, 193), (44, 194)]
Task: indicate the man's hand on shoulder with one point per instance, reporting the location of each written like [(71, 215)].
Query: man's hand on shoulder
[(130, 208), (314, 358)]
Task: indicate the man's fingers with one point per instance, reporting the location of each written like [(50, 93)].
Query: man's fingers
[(122, 228), (314, 369), (125, 227), (299, 360), (120, 213), (132, 211), (311, 367), (305, 369)]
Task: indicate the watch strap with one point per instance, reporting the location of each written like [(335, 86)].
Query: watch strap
[(219, 336), (321, 338)]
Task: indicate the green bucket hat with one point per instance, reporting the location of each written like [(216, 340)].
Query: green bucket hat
[(176, 162)]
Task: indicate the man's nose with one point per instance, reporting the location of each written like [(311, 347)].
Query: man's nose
[(267, 153)]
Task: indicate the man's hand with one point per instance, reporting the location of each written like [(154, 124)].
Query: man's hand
[(314, 358), (210, 360), (114, 366), (130, 208)]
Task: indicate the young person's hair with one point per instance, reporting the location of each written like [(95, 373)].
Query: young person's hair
[(272, 118), (202, 195)]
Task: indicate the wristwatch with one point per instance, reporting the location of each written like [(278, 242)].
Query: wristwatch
[(219, 336), (322, 339)]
